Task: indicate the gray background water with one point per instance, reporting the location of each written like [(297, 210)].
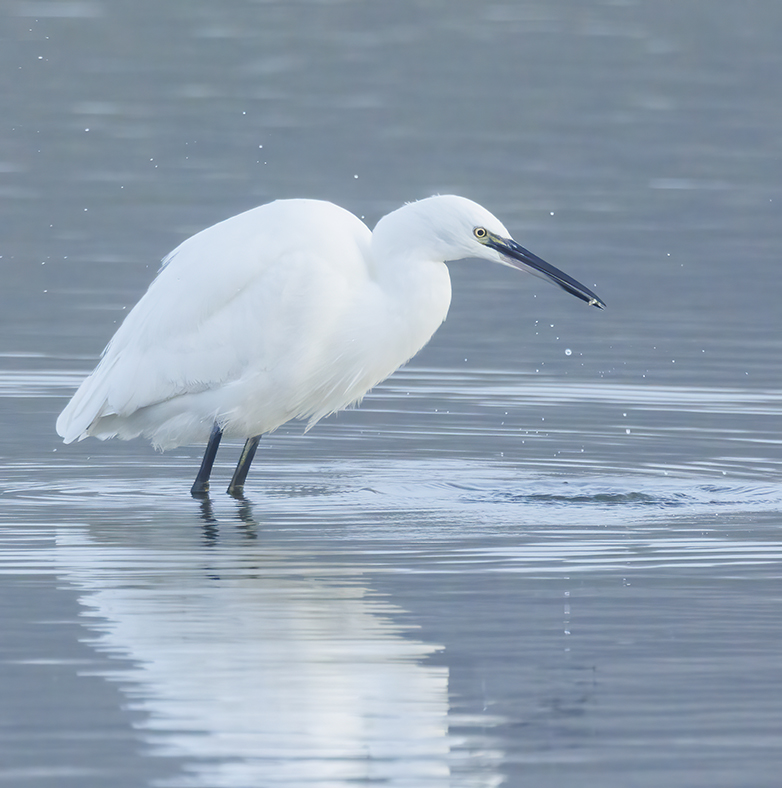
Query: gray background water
[(545, 553)]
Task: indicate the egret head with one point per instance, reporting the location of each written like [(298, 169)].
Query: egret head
[(447, 227)]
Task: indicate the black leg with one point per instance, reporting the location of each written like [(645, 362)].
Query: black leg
[(236, 487), (201, 484)]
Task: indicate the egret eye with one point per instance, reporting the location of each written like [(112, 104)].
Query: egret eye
[(480, 233)]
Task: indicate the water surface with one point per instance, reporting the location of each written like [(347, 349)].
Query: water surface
[(547, 552)]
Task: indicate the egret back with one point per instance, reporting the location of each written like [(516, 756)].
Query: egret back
[(231, 304)]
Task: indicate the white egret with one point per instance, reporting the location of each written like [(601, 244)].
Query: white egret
[(292, 310)]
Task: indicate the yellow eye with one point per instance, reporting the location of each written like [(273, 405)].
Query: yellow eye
[(480, 233)]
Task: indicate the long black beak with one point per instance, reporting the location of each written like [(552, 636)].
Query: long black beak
[(517, 256)]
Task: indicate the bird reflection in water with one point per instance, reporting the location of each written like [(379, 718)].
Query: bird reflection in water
[(243, 514)]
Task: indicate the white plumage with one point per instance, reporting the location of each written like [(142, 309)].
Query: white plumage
[(291, 310)]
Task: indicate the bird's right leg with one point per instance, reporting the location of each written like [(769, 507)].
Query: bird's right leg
[(201, 484)]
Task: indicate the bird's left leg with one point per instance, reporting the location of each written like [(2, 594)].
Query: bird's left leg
[(236, 487), (201, 484)]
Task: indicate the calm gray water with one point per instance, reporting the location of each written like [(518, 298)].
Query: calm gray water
[(546, 553)]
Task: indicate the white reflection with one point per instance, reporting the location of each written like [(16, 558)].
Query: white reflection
[(263, 676)]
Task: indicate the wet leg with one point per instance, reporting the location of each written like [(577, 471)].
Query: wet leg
[(236, 487), (201, 484)]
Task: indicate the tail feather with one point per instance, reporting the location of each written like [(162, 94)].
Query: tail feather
[(88, 404)]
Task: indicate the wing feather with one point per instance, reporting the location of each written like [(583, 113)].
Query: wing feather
[(242, 298)]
